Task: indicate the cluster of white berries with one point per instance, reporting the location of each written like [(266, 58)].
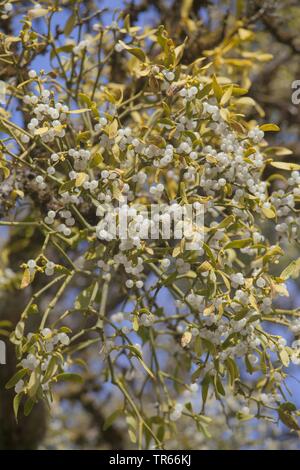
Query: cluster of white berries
[(117, 317), (189, 93), (119, 47), (295, 326), (39, 355), (7, 10), (81, 46), (295, 356), (64, 228), (131, 283), (237, 279), (49, 270), (256, 135), (31, 264), (165, 263), (175, 415), (169, 75), (102, 123), (48, 121), (81, 158), (40, 182), (147, 319), (157, 190), (50, 217)]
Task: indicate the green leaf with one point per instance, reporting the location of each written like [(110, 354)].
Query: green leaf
[(205, 91), (238, 243), (136, 51), (288, 420), (110, 420), (5, 324), (288, 406), (204, 387), (34, 382), (86, 297), (244, 417), (15, 379), (219, 386), (136, 352), (229, 220), (85, 99), (232, 370), (51, 369), (67, 186), (160, 433), (127, 23), (70, 24), (80, 179), (292, 270), (29, 404), (16, 404), (69, 377), (132, 436), (218, 92)]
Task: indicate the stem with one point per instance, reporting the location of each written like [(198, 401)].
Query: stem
[(55, 299)]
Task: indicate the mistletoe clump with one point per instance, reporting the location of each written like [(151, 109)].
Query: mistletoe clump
[(121, 120)]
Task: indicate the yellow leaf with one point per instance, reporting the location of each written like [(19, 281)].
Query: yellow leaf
[(286, 165), (5, 171), (136, 51), (227, 95), (218, 92), (80, 179), (78, 111), (292, 270), (135, 323), (26, 279), (246, 101), (112, 129), (280, 151), (185, 9), (176, 251), (70, 24), (41, 131), (264, 57), (283, 354), (268, 212), (179, 50), (37, 13), (269, 127), (186, 338), (281, 290), (245, 34)]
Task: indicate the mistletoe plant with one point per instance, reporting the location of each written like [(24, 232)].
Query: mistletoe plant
[(117, 117)]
